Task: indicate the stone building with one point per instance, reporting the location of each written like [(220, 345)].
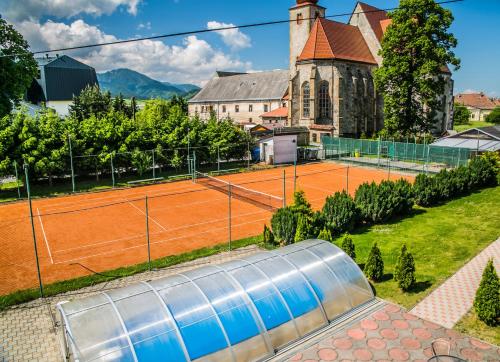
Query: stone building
[(330, 88)]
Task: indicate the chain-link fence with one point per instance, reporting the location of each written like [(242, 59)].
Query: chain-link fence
[(395, 155)]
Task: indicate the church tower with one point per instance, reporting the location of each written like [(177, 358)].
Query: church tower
[(302, 18)]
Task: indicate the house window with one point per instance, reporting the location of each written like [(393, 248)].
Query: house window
[(306, 100), (223, 109), (237, 109), (266, 108), (196, 110), (283, 104), (250, 108), (300, 17), (315, 137), (324, 101)]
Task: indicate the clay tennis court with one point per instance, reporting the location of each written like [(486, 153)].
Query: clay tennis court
[(106, 230)]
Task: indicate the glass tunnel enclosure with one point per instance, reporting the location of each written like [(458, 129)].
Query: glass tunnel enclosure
[(243, 310)]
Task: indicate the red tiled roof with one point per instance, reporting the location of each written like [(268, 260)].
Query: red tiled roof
[(375, 17), (277, 113), (334, 40), (305, 3), (476, 100)]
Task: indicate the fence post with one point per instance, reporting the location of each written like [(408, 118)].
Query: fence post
[(33, 229), (249, 155), (71, 163), (112, 171), (17, 181), (154, 165), (193, 168), (284, 188), (147, 233), (347, 179), (218, 159), (229, 214), (378, 153), (295, 175)]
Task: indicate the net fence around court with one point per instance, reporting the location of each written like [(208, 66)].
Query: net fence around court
[(257, 198), (400, 155)]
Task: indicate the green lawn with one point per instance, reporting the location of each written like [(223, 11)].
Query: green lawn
[(473, 124), (442, 239), (472, 326)]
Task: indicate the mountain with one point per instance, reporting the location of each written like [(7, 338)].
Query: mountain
[(134, 84)]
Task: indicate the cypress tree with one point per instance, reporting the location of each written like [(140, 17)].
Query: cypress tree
[(404, 272), (348, 246), (374, 267), (487, 301), (303, 228), (326, 235)]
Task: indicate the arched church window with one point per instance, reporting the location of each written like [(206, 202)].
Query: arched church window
[(306, 100), (324, 100)]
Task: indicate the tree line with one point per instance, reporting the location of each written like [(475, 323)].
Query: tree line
[(99, 128)]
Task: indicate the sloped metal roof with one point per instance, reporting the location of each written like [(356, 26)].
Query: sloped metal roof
[(245, 87), (473, 144)]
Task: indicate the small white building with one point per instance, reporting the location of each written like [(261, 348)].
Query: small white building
[(278, 149)]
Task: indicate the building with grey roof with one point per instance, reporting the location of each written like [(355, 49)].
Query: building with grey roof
[(243, 97), (59, 80), (484, 139)]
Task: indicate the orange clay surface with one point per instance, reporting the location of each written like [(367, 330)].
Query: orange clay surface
[(107, 230)]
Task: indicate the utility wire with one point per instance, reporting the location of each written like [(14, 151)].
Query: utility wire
[(202, 31)]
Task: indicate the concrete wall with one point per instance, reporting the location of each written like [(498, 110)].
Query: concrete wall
[(61, 107), (243, 116)]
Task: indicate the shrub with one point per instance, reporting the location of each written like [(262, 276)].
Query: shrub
[(303, 229), (268, 236), (326, 235), (461, 114), (374, 267), (487, 301), (425, 191), (348, 246), (317, 224), (284, 225), (482, 172), (339, 212), (404, 273), (379, 203), (494, 116), (300, 204)]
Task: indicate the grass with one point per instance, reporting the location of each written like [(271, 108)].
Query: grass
[(472, 124), (442, 239), (472, 326), (27, 295)]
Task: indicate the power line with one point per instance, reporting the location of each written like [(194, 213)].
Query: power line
[(202, 31)]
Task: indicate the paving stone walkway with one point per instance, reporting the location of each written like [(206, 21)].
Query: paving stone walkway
[(454, 298), (392, 334), (29, 332)]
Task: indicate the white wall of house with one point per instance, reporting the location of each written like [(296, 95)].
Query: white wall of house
[(239, 111), (61, 107)]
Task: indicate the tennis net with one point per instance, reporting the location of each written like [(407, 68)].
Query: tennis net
[(257, 198)]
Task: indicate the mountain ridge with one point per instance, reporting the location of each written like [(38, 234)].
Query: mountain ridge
[(131, 83)]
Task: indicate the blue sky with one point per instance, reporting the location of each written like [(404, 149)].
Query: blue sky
[(194, 59)]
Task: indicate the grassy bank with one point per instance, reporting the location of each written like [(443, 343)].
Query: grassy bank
[(78, 283), (442, 239), (472, 326), (472, 124)]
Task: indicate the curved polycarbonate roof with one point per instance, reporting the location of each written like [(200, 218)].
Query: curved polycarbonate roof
[(243, 310)]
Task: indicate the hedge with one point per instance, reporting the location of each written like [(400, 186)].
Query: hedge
[(340, 213)]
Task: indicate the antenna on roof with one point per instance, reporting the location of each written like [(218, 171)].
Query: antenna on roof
[(47, 55)]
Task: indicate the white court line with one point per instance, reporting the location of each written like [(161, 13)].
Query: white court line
[(149, 217), (44, 235)]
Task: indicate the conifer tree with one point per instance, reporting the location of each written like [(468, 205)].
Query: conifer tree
[(374, 267), (348, 246), (404, 272), (487, 301), (326, 235), (303, 228)]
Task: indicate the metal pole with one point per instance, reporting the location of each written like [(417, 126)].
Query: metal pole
[(147, 233), (378, 153), (218, 158), (229, 214), (33, 229), (194, 164), (295, 174), (112, 171), (248, 154), (284, 188), (154, 165), (347, 177), (17, 181), (71, 162)]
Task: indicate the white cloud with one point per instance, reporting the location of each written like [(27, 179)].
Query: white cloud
[(19, 10), (234, 38), (194, 61), (146, 26)]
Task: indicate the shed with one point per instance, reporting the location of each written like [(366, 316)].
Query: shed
[(278, 149), (483, 139)]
